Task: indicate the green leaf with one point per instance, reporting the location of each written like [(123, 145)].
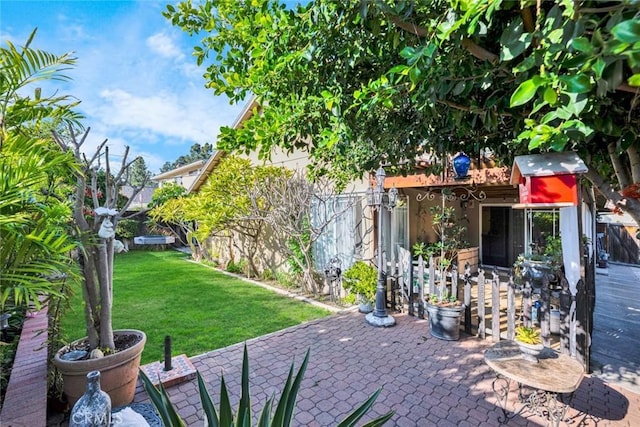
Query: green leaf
[(555, 36), (578, 83), (226, 411), (513, 31), (550, 116), (459, 88), (627, 31), (513, 40), (359, 412), (161, 402), (535, 142), (550, 95), (582, 44), (414, 75), (524, 92), (559, 142), (399, 69), (577, 103), (634, 80), (578, 125), (599, 67), (408, 52), (207, 404), (244, 407), (525, 65)]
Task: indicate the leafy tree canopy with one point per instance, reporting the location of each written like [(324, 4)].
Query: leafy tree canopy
[(197, 152), (139, 173), (167, 192), (355, 83)]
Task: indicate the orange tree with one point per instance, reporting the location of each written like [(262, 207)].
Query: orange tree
[(355, 82)]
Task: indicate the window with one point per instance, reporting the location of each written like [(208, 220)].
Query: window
[(541, 225), (342, 236), (396, 228)]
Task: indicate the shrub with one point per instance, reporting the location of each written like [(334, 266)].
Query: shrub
[(362, 279)]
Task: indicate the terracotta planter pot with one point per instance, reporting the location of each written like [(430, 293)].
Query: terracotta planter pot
[(118, 372)]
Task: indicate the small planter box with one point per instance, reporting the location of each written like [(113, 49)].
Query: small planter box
[(468, 255), (154, 240)]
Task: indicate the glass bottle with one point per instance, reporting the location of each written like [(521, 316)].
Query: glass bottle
[(93, 409)]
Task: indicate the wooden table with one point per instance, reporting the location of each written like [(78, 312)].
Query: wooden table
[(544, 388)]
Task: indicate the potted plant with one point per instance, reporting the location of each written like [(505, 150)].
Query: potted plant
[(534, 266), (96, 208), (529, 342), (603, 259), (445, 313), (444, 310), (361, 280)]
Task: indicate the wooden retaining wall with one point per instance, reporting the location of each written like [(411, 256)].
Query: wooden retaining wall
[(25, 403)]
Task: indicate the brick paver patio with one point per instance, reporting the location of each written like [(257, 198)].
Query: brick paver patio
[(426, 381)]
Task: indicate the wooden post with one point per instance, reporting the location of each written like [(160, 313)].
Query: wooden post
[(565, 305), (583, 317), (526, 304), (511, 308), (411, 287), (545, 318), (467, 299), (481, 305), (454, 282), (495, 305), (420, 285), (432, 276)]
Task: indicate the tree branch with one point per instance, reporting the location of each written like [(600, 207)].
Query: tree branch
[(603, 187), (527, 19), (618, 167), (476, 50), (634, 161), (626, 87), (408, 26), (601, 9), (479, 52)]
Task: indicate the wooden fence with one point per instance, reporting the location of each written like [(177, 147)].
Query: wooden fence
[(494, 303)]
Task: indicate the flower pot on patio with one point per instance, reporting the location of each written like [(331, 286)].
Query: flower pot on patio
[(530, 352), (365, 307), (444, 320), (118, 371)]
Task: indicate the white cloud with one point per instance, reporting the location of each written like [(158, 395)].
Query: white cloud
[(165, 114), (164, 45), (135, 76)]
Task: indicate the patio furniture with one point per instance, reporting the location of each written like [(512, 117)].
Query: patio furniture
[(545, 388)]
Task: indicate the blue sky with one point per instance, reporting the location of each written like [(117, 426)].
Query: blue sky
[(135, 75)]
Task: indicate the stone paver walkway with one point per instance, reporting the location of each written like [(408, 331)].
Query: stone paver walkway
[(426, 381)]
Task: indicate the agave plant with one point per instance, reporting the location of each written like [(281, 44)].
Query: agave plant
[(282, 417)]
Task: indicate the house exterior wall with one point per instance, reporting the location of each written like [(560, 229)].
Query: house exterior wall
[(184, 175), (268, 257)]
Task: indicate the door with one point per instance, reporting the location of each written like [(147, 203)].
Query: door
[(502, 235)]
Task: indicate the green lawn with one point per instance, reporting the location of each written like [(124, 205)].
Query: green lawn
[(201, 309)]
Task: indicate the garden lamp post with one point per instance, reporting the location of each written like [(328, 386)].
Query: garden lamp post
[(375, 200)]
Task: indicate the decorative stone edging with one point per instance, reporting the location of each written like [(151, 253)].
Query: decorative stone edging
[(25, 403)]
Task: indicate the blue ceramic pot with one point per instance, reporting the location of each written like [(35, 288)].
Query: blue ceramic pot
[(461, 165)]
